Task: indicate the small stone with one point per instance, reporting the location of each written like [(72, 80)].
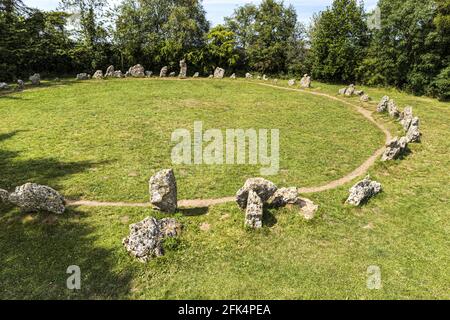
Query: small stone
[(98, 75), (32, 197), (395, 148), (254, 212), (413, 134), (291, 83), (305, 82), (383, 105), (163, 72), (264, 188), (219, 73), (35, 79), (363, 191), (163, 191)]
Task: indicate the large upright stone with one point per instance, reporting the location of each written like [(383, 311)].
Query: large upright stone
[(254, 212), (363, 191), (163, 191), (305, 82), (98, 75), (394, 149), (183, 69), (109, 72), (219, 73), (35, 79), (413, 134), (146, 238), (32, 197), (383, 105), (163, 72), (137, 71), (264, 188)]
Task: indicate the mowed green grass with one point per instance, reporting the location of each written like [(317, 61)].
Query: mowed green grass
[(405, 231), (102, 140)]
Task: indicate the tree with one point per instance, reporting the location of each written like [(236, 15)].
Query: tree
[(339, 36)]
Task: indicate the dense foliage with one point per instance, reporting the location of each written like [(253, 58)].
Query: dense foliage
[(408, 48)]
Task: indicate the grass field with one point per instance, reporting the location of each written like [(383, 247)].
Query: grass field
[(103, 140)]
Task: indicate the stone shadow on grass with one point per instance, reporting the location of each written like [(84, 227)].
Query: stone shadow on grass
[(37, 249)]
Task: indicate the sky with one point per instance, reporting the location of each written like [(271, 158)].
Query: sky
[(217, 9)]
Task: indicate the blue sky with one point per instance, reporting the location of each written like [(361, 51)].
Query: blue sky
[(217, 9)]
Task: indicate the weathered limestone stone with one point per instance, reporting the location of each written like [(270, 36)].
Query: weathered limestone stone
[(291, 83), (163, 191), (363, 191), (196, 75), (98, 74), (264, 188), (35, 79), (413, 134), (233, 76), (82, 76), (305, 82), (146, 238), (109, 72), (392, 109), (137, 71), (4, 197), (254, 212), (406, 118), (148, 74), (284, 196), (383, 105), (248, 76), (20, 85), (395, 148), (219, 73), (32, 197), (3, 86), (183, 69), (118, 74), (163, 72), (365, 98)]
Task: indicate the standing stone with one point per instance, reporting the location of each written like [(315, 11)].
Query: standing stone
[(32, 197), (196, 75), (395, 148), (392, 109), (291, 83), (285, 196), (137, 71), (163, 72), (148, 74), (183, 69), (305, 82), (254, 212), (163, 191), (146, 238), (264, 188), (413, 134), (98, 74), (35, 79), (4, 197), (248, 76), (219, 73), (3, 86), (365, 98), (363, 191), (109, 72), (383, 105), (406, 118), (233, 76), (82, 76)]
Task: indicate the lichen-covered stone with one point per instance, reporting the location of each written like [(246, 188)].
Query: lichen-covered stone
[(285, 196), (163, 191), (254, 212), (413, 134), (363, 191), (394, 149), (146, 238), (32, 197), (264, 188), (219, 73), (383, 105)]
